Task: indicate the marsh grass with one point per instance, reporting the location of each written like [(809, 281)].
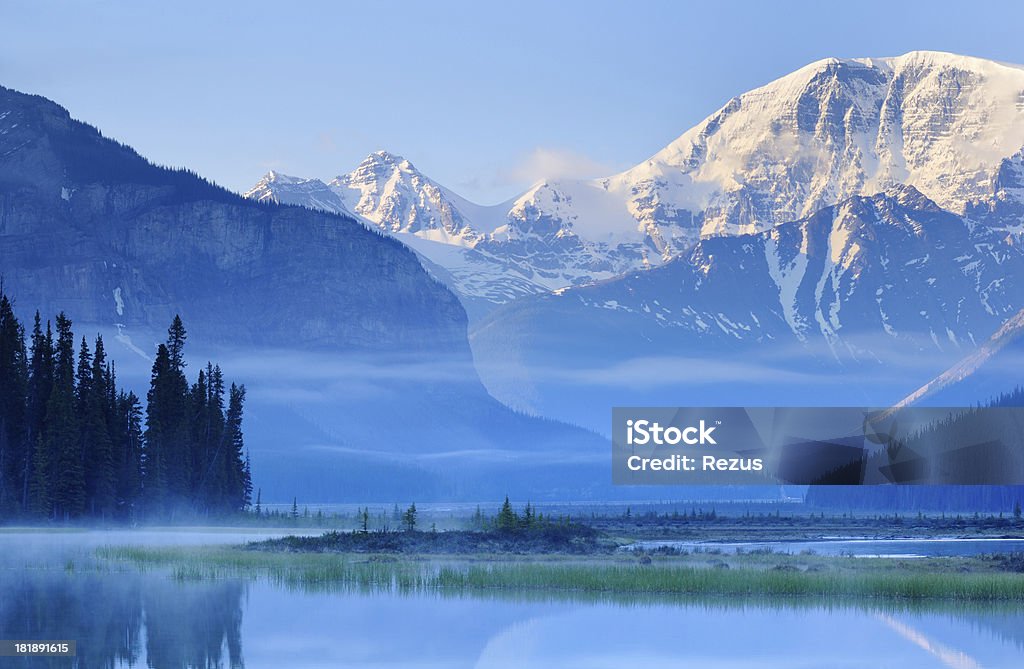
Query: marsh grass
[(876, 584), (748, 576), (307, 571)]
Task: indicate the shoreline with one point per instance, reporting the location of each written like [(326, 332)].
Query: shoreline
[(578, 559)]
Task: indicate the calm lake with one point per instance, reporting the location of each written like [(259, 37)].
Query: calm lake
[(50, 588)]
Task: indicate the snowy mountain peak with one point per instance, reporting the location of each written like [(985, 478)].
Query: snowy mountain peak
[(379, 161), (263, 190), (273, 177), (387, 190), (840, 127), (924, 132), (312, 193)]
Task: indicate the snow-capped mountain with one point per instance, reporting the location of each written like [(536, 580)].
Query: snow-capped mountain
[(860, 226), (891, 286), (894, 263), (389, 191), (488, 255), (837, 128), (311, 193), (833, 129)]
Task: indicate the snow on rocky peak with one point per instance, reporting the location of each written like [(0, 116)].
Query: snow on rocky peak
[(952, 127), (836, 128), (389, 191), (312, 193), (500, 252)]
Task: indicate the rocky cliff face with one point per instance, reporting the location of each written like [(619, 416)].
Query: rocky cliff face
[(89, 227)]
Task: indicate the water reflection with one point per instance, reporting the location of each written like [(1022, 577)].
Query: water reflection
[(149, 619), (124, 620), (103, 615), (430, 630)]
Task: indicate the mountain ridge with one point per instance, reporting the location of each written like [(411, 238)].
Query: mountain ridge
[(804, 141), (318, 311), (850, 304)]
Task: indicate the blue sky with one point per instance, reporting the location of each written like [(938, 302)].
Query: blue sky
[(484, 97)]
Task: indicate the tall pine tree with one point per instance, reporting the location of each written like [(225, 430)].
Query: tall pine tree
[(94, 434), (156, 448), (212, 482), (238, 486), (13, 390), (128, 455), (36, 472), (61, 436)]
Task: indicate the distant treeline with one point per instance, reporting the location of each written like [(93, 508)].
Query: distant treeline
[(915, 498), (964, 428), (1014, 398), (74, 445)]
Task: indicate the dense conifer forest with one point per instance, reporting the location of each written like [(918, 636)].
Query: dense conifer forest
[(75, 446)]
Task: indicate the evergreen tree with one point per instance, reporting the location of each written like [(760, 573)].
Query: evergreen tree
[(13, 390), (177, 435), (176, 336), (62, 428), (168, 465), (212, 449), (36, 481), (95, 447), (507, 519), (71, 443), (237, 483), (83, 414), (409, 518), (199, 440), (128, 454), (107, 408), (246, 481), (156, 450), (83, 378)]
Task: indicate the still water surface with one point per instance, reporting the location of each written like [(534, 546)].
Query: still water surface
[(891, 548), (135, 619)]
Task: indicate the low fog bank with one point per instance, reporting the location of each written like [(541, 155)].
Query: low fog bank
[(327, 428), (581, 386)]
